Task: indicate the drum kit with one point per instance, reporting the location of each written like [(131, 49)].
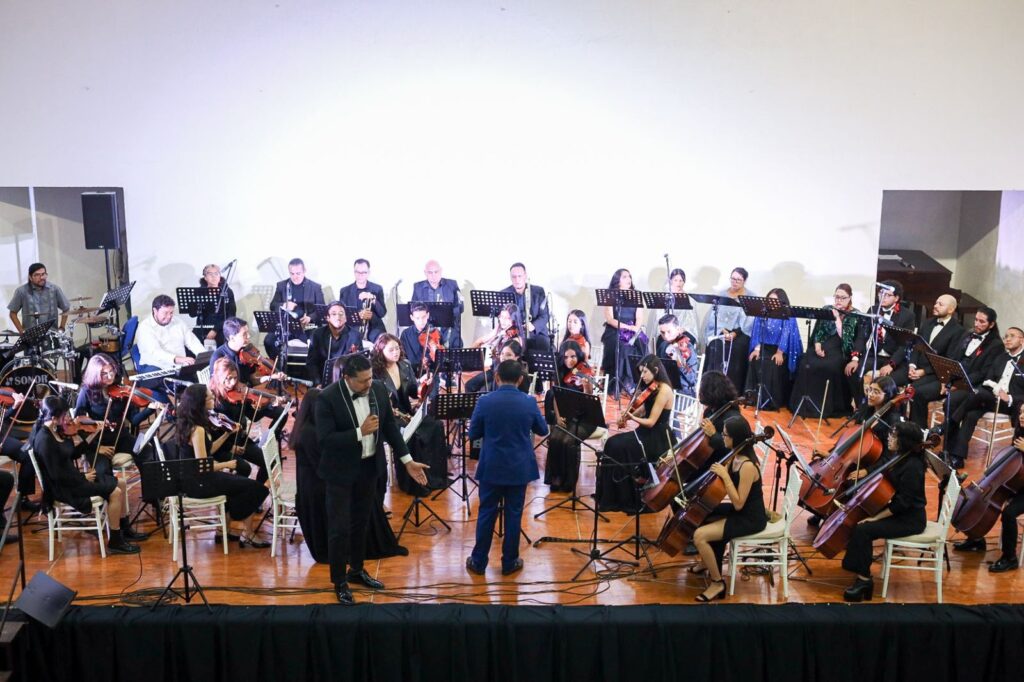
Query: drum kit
[(47, 353)]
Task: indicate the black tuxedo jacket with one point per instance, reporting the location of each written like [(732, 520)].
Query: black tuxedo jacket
[(903, 318), (944, 344), (538, 308), (350, 297), (337, 434), (978, 363), (306, 296)]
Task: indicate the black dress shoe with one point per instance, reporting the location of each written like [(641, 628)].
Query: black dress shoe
[(364, 578), (970, 545), (515, 568), (860, 590), (253, 542), (233, 537), (130, 534), (956, 462), (1004, 564), (472, 567), (123, 548), (30, 506), (344, 594)]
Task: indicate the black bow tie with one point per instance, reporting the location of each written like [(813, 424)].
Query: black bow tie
[(355, 395), (977, 337), (939, 323)]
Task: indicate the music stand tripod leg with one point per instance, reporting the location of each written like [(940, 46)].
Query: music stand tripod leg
[(412, 515)]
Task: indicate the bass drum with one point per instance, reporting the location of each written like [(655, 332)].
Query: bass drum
[(18, 376)]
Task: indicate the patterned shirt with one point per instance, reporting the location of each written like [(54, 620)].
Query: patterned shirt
[(46, 301)]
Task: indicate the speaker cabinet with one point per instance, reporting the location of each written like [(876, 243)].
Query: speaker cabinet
[(99, 217)]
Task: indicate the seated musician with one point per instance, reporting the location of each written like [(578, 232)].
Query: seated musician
[(12, 448), (252, 368), (535, 315), (194, 440), (576, 330), (228, 398), (368, 297), (942, 332), (484, 381), (778, 341), (744, 514), (975, 352), (438, 289), (717, 391), (687, 318), (298, 297), (56, 445), (94, 401), (427, 445), (629, 456), (838, 345), (163, 340), (623, 338), (727, 332), (330, 342), (506, 330), (1012, 510), (680, 348), (1004, 381), (892, 355), (562, 467), (904, 515), (211, 318), (419, 335)]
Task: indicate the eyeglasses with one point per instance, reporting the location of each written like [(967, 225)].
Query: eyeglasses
[(839, 297), (874, 391)]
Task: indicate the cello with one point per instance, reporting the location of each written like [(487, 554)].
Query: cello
[(687, 458), (981, 504), (857, 446), (699, 499)]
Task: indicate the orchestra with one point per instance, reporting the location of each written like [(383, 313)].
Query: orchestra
[(857, 363)]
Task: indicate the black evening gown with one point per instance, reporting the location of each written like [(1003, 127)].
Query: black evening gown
[(562, 462), (625, 459), (310, 495), (812, 375), (776, 382), (427, 445), (628, 355)]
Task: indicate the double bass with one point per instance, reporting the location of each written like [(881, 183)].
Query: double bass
[(857, 446), (980, 504), (700, 498), (687, 458)]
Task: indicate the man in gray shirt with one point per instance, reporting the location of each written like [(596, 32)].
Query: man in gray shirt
[(38, 300)]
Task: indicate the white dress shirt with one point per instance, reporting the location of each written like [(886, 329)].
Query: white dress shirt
[(160, 344)]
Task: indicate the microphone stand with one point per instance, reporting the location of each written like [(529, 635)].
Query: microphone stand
[(790, 460)]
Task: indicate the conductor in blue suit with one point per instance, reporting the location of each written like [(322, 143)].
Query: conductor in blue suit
[(505, 419)]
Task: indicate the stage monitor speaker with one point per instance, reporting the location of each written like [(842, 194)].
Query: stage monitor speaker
[(99, 217), (45, 599)]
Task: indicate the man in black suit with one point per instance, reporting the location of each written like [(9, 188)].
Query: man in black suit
[(368, 297), (941, 332), (437, 289), (892, 355), (329, 343), (975, 351), (296, 296), (536, 320), (353, 419), (1003, 381)]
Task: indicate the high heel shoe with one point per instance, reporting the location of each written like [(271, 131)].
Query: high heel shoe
[(860, 590), (702, 597)]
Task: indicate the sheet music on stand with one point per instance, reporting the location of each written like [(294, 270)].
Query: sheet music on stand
[(115, 298), (543, 366), (804, 464), (716, 299), (460, 359), (448, 406), (950, 372), (583, 407), (809, 313), (489, 303), (763, 306), (620, 298), (656, 300), (195, 301), (440, 314), (409, 430), (267, 322), (34, 335), (909, 338)]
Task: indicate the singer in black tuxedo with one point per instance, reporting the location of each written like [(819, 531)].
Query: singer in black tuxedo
[(353, 420)]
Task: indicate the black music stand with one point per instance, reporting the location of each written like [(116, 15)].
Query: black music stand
[(458, 360), (489, 303), (666, 300), (765, 308), (441, 314), (542, 367), (196, 301), (716, 301), (33, 336), (576, 408), (113, 300), (951, 375), (166, 479), (808, 313), (594, 554), (456, 407), (617, 299)]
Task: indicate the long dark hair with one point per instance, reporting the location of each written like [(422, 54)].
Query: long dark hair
[(377, 360), (618, 275), (716, 389), (191, 412), (584, 329), (739, 430), (581, 359), (306, 414), (781, 293), (51, 407), (651, 362), (908, 436)]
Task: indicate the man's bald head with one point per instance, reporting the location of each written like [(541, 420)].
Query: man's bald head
[(945, 306), (433, 272)]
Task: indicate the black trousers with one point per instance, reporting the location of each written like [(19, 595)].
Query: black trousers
[(26, 473), (348, 516), (967, 413), (1013, 509), (858, 551), (926, 389)]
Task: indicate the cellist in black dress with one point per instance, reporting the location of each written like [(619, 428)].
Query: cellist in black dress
[(629, 456), (716, 390)]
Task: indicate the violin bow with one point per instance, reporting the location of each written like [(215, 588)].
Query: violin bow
[(821, 415)]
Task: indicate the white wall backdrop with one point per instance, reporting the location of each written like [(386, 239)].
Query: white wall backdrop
[(576, 135)]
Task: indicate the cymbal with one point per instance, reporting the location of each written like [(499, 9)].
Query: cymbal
[(82, 311), (8, 332), (79, 299), (92, 319)]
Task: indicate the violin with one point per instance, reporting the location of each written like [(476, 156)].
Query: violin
[(579, 376), (251, 357), (140, 397), (7, 397), (687, 458), (699, 499), (680, 350), (430, 341), (80, 425), (255, 397), (980, 504), (640, 395), (221, 421), (857, 446)]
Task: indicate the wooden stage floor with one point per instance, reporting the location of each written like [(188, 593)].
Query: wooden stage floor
[(434, 570)]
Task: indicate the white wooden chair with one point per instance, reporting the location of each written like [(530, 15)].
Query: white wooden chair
[(770, 547), (201, 514), (927, 547), (62, 517), (282, 492)]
